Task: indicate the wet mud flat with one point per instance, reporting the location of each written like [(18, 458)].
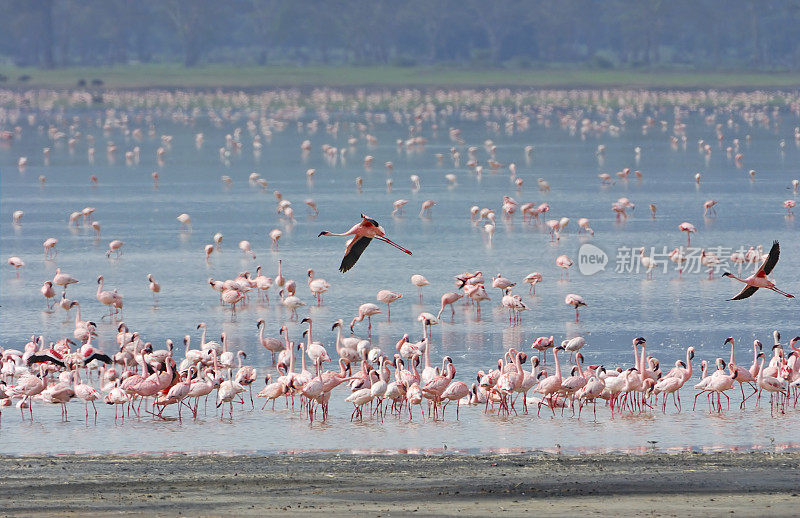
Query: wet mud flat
[(653, 484)]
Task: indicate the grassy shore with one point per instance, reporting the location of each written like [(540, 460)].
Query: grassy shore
[(735, 484), (229, 76)]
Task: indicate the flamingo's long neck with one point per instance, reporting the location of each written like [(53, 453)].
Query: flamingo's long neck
[(732, 276), (339, 340), (558, 365), (203, 338), (427, 346), (303, 359), (578, 364), (689, 366), (642, 361), (732, 354), (99, 287), (760, 376), (78, 317)]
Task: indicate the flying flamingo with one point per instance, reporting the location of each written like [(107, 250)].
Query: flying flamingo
[(759, 279), (362, 233)]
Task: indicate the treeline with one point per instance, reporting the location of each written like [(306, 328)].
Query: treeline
[(691, 34)]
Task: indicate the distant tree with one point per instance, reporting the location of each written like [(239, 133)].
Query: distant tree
[(193, 21)]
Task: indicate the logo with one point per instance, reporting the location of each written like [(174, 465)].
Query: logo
[(591, 259)]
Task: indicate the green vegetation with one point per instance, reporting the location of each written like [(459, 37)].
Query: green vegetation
[(226, 76)]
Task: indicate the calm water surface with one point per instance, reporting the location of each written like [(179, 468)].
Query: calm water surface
[(671, 312)]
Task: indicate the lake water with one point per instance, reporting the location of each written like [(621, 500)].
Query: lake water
[(671, 311)]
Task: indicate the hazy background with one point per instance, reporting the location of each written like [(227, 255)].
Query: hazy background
[(616, 34)]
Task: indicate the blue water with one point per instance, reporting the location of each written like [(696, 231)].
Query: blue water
[(671, 311)]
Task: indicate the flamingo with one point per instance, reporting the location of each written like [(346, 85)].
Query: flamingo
[(273, 345), (106, 297), (115, 246), (647, 262), (419, 281), (550, 385), (17, 263), (771, 384), (244, 246), (50, 248), (388, 297), (744, 375), (154, 287), (185, 220), (689, 229), (362, 233), (449, 299), (575, 301), (759, 279), (565, 263), (533, 279), (317, 286), (63, 279), (366, 310)]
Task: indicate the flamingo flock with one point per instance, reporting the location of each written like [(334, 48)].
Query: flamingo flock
[(313, 352)]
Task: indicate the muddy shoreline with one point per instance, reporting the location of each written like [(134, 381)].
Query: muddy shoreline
[(378, 485)]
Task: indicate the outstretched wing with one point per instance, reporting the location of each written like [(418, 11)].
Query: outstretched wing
[(353, 252), (746, 292), (97, 356), (771, 260), (43, 358)]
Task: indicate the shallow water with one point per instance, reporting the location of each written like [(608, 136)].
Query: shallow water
[(672, 312)]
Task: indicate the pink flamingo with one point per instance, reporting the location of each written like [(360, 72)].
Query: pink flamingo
[(550, 385), (744, 375), (449, 299), (689, 229), (363, 233), (575, 301), (388, 297), (565, 263), (759, 279)]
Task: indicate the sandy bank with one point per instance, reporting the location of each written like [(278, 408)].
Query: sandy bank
[(653, 484)]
